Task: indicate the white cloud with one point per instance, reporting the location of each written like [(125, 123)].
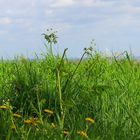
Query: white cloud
[(5, 21), (62, 3)]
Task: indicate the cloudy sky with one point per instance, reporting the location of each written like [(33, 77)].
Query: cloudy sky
[(114, 24)]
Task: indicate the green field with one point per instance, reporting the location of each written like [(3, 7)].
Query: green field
[(54, 98)]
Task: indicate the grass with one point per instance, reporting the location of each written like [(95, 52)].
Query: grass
[(54, 98)]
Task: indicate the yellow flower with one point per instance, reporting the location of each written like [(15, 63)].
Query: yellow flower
[(16, 115), (33, 121), (89, 120), (82, 134), (48, 111), (4, 107), (65, 133), (28, 121)]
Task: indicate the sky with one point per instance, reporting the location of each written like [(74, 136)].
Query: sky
[(113, 24)]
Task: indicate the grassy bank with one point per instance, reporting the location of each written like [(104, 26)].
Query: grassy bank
[(54, 98)]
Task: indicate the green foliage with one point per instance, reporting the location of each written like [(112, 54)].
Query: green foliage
[(104, 89)]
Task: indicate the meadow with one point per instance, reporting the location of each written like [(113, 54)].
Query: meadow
[(54, 98)]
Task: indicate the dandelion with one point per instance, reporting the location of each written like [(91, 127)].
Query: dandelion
[(33, 121), (28, 121), (4, 107), (65, 133), (48, 111), (89, 120), (82, 134), (16, 115)]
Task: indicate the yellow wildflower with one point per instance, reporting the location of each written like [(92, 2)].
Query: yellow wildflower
[(28, 121), (33, 121), (16, 115), (3, 107), (82, 134), (65, 133), (48, 111), (89, 120)]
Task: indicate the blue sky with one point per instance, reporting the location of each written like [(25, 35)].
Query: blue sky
[(114, 24)]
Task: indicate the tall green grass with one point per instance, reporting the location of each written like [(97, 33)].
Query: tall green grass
[(106, 90)]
